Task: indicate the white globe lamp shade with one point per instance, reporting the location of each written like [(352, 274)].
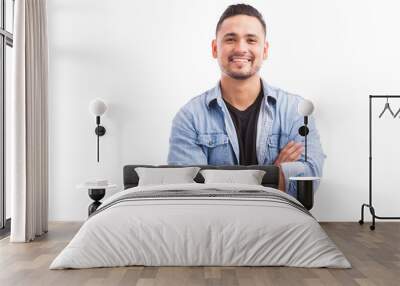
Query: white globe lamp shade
[(305, 108), (97, 107)]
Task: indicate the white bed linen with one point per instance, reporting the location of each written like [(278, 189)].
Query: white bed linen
[(206, 231)]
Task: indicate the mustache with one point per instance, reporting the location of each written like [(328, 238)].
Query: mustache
[(241, 55)]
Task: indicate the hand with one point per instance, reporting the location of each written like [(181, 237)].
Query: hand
[(290, 153)]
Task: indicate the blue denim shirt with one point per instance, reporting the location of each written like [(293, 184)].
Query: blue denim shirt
[(203, 133)]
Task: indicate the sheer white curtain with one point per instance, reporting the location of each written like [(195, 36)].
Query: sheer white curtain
[(28, 122)]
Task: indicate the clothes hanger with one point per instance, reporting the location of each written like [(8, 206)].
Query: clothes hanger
[(398, 111), (387, 107)]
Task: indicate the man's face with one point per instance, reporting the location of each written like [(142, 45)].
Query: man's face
[(240, 46)]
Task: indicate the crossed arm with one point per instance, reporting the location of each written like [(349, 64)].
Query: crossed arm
[(183, 150), (290, 153)]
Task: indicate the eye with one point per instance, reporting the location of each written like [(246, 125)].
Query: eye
[(252, 41), (229, 40)]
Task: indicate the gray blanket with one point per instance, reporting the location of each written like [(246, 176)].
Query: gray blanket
[(201, 224)]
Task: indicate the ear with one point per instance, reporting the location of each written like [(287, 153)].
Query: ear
[(214, 48), (265, 50)]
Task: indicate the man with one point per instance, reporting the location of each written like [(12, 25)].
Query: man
[(243, 120)]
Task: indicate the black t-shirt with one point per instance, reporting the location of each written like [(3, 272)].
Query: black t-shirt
[(246, 129)]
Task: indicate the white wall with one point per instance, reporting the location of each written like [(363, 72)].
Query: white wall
[(147, 58)]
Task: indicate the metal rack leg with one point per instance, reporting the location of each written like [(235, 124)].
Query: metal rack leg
[(361, 221), (372, 210)]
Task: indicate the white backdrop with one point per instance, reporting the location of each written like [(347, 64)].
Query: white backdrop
[(147, 58)]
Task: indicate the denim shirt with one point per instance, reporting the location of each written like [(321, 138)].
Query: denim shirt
[(203, 133)]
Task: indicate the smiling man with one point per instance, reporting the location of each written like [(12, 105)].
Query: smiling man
[(243, 120)]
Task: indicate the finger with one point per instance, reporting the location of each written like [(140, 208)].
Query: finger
[(288, 145), (283, 153), (295, 147), (292, 157), (291, 150), (296, 155)]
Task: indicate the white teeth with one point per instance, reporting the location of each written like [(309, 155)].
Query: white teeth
[(240, 60)]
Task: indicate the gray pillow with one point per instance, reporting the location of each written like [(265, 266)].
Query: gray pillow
[(248, 177), (165, 176)]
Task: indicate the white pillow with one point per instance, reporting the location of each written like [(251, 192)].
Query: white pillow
[(165, 176), (248, 177)]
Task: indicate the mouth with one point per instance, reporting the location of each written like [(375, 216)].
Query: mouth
[(241, 60)]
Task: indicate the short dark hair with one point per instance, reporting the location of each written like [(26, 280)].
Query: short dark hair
[(241, 9)]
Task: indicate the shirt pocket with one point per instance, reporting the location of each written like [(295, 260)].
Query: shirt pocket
[(276, 143), (273, 148), (216, 147)]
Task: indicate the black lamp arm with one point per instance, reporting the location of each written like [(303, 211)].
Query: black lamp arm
[(303, 131), (100, 131)]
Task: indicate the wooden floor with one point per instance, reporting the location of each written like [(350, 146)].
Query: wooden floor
[(374, 255)]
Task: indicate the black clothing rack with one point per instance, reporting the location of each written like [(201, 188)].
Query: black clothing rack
[(369, 205)]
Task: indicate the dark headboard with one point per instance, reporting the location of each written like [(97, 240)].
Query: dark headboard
[(270, 179)]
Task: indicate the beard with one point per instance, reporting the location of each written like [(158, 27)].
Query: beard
[(241, 74)]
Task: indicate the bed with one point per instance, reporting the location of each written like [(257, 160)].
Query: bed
[(201, 224)]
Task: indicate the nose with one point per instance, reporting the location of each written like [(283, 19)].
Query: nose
[(241, 46)]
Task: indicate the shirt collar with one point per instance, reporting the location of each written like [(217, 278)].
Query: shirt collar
[(215, 95)]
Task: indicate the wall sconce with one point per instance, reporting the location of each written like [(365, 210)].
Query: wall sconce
[(305, 192), (305, 108), (97, 107)]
